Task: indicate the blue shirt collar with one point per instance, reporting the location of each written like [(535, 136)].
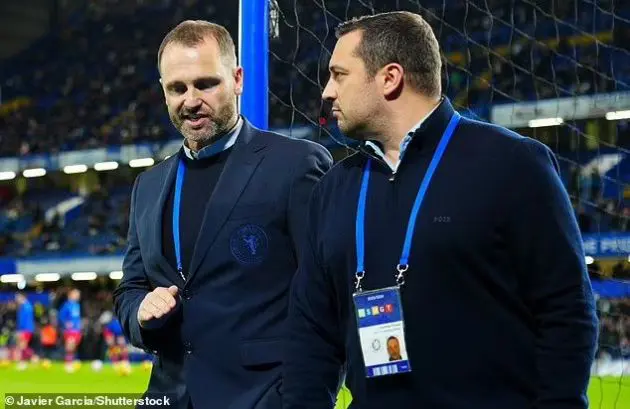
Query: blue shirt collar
[(378, 151), (221, 145)]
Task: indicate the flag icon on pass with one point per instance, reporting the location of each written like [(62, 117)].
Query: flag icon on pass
[(389, 308), (361, 313), (375, 310)]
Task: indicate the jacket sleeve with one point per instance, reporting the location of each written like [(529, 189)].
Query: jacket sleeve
[(134, 285), (547, 249), (314, 351), (308, 171)]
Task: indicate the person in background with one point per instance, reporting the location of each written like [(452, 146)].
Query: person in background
[(114, 337), (70, 322), (48, 336), (24, 330)]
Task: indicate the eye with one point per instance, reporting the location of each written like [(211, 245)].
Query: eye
[(338, 75), (206, 83), (178, 88)]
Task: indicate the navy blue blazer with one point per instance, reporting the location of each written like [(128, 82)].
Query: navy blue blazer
[(221, 346)]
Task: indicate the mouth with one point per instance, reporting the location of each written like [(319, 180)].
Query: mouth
[(195, 121)]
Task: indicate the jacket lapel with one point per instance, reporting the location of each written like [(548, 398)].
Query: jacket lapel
[(239, 168), (158, 215)]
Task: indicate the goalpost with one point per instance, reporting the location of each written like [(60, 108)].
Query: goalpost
[(253, 55)]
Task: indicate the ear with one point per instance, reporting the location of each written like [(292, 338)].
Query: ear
[(392, 79), (238, 80), (163, 89)]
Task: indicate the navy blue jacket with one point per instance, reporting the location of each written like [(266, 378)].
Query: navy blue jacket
[(498, 307), (222, 344)]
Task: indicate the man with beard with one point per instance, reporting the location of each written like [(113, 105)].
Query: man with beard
[(214, 235), (454, 237)]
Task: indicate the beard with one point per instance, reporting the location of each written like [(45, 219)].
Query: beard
[(359, 131), (358, 123), (217, 123)]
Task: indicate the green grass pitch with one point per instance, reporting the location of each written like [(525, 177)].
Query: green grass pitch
[(604, 393)]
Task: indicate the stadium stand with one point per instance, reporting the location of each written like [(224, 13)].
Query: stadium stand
[(36, 223), (85, 87)]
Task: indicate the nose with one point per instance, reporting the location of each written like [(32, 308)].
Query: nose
[(192, 99), (329, 94)]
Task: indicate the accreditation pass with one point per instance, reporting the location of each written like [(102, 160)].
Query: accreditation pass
[(382, 332)]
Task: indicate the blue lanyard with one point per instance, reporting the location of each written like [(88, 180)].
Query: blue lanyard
[(181, 170), (360, 221)]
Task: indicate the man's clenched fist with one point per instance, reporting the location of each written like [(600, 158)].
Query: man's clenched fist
[(157, 304)]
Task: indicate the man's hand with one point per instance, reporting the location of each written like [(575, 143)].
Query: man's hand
[(157, 304)]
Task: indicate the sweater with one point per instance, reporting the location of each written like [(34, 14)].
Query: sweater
[(200, 179), (498, 307)]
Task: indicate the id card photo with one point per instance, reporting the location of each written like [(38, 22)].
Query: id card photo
[(381, 332)]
